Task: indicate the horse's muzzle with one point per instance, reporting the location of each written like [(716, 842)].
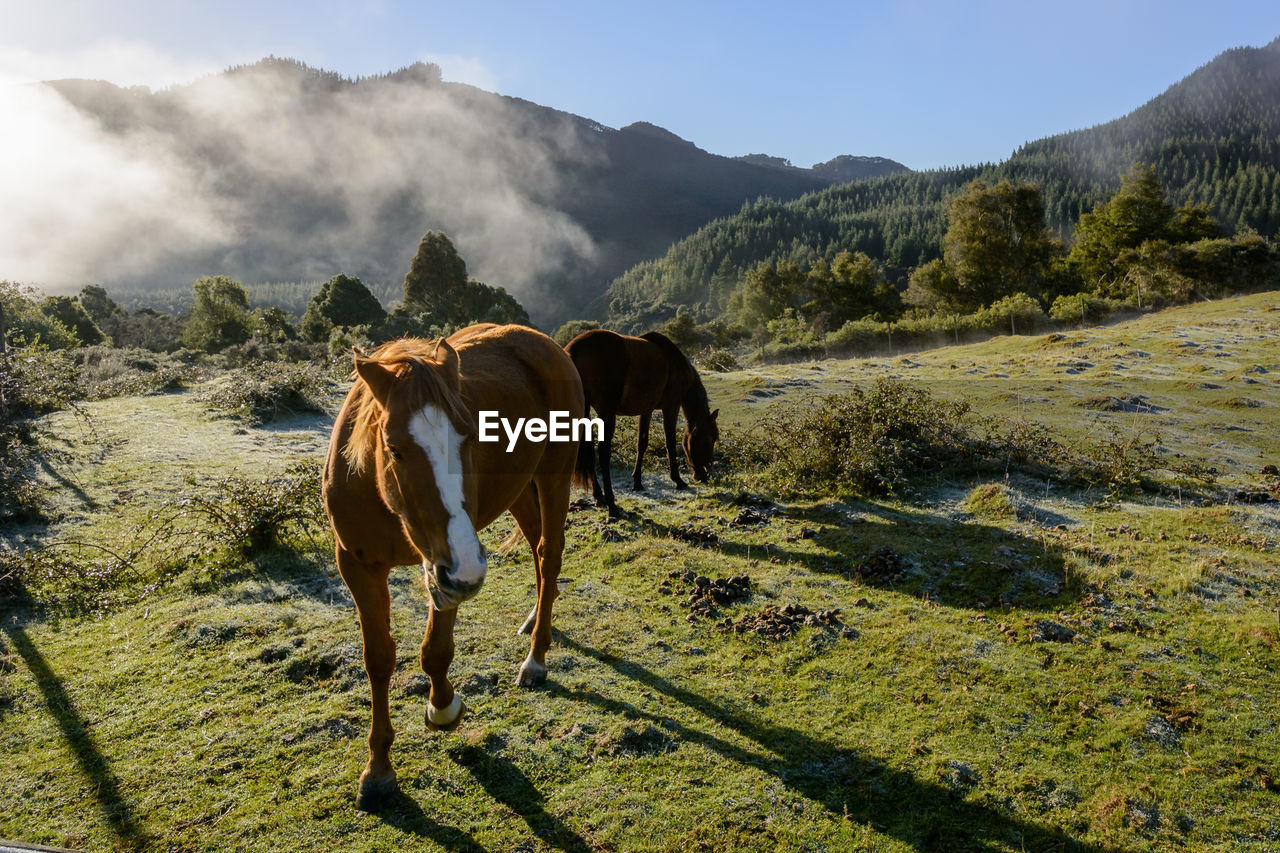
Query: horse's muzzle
[(448, 591)]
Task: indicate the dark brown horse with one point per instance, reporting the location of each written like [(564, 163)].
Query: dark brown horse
[(407, 481), (625, 375)]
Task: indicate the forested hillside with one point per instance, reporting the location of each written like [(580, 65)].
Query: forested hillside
[(283, 173), (1213, 139)]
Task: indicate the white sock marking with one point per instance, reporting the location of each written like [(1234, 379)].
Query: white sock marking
[(438, 717)]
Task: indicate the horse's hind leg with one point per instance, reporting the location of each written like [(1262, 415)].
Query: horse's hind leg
[(606, 464), (529, 519), (588, 449), (642, 444), (553, 506), (368, 585), (673, 448)]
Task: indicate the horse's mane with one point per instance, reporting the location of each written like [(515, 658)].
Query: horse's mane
[(695, 401), (407, 357)]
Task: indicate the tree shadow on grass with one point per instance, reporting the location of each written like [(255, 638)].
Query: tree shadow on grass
[(404, 813), (954, 563), (507, 784), (926, 815), (86, 501), (94, 766)]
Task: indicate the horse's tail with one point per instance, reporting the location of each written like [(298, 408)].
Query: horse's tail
[(584, 469), (513, 539)]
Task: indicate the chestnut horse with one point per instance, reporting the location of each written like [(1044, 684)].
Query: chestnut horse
[(406, 482), (625, 375)]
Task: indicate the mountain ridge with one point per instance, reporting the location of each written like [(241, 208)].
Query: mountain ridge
[(305, 173), (1213, 138)]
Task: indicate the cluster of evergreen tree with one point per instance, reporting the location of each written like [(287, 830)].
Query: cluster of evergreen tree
[(1212, 143), (1001, 259)]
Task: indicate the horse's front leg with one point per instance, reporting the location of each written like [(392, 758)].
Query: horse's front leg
[(444, 705), (642, 443), (368, 585), (673, 448)]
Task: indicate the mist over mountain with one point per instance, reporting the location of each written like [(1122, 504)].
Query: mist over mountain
[(280, 172)]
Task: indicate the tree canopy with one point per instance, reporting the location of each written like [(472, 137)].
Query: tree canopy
[(68, 311), (438, 294), (220, 317), (342, 301)]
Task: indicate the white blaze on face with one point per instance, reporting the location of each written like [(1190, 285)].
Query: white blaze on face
[(435, 434)]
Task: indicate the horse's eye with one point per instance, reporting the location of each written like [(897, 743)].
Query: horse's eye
[(395, 454)]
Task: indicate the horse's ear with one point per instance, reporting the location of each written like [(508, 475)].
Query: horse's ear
[(715, 414), (377, 377), (447, 357)]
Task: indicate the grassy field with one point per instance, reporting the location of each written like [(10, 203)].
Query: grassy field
[(990, 661)]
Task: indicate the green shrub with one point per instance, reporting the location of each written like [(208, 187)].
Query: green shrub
[(874, 441), (22, 499), (864, 442), (1122, 461), (217, 524), (1081, 307), (259, 393), (1019, 313), (27, 324), (247, 517), (990, 500), (718, 361), (859, 336), (572, 329), (33, 380), (109, 372)]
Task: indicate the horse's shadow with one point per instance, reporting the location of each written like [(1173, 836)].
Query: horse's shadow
[(928, 816)]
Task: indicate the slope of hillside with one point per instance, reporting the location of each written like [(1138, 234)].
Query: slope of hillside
[(1073, 671), (1212, 139), (288, 173)]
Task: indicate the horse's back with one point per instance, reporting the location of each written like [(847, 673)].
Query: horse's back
[(623, 374), (680, 371), (510, 361)]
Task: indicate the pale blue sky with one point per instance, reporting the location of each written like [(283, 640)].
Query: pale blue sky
[(927, 83)]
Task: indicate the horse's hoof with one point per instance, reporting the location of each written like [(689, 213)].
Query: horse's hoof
[(681, 484), (531, 674), (375, 794), (443, 719), (637, 487), (615, 511)]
